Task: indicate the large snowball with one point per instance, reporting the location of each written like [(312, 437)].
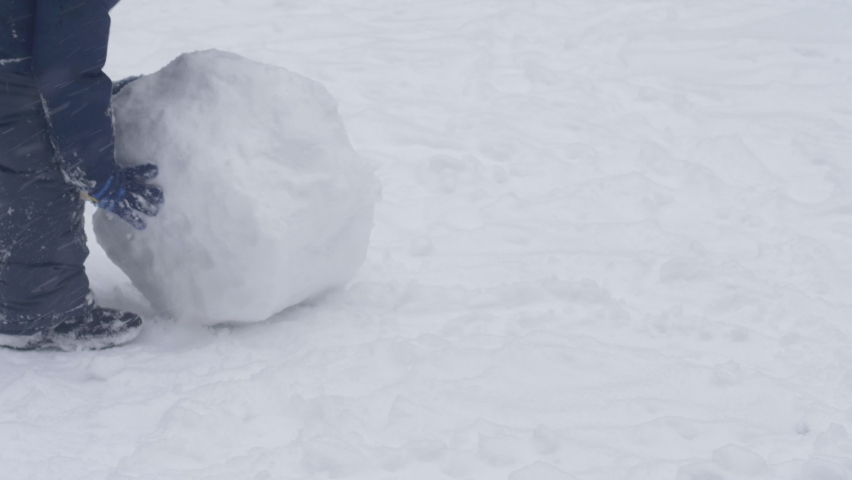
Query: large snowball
[(267, 204)]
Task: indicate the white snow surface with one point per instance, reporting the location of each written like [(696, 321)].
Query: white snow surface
[(268, 204), (615, 242)]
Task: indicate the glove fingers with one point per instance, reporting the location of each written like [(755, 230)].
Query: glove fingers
[(148, 171), (126, 195), (144, 198), (139, 204), (155, 194), (135, 221), (129, 215), (151, 193)]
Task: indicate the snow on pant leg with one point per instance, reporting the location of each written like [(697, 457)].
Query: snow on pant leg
[(42, 240)]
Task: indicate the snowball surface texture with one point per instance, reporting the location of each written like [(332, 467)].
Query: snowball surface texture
[(267, 204)]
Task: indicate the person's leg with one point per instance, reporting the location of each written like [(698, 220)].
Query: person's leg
[(42, 242), (42, 278)]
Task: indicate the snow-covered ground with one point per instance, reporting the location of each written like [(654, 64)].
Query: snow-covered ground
[(615, 243)]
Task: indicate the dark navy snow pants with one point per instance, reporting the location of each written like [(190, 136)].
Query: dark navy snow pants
[(42, 241)]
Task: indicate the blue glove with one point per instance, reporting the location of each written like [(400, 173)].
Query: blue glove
[(125, 194)]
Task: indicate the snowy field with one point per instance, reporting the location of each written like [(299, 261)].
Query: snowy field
[(615, 242)]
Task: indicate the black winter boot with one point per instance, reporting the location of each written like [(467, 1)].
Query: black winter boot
[(104, 328), (22, 342)]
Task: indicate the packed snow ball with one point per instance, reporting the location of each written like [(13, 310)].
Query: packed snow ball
[(267, 203)]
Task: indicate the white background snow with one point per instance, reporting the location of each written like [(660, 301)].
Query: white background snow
[(615, 243)]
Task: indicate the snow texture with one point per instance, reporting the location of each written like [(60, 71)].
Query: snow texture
[(614, 243), (268, 204)]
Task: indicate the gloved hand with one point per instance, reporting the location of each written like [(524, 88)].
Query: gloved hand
[(126, 194)]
